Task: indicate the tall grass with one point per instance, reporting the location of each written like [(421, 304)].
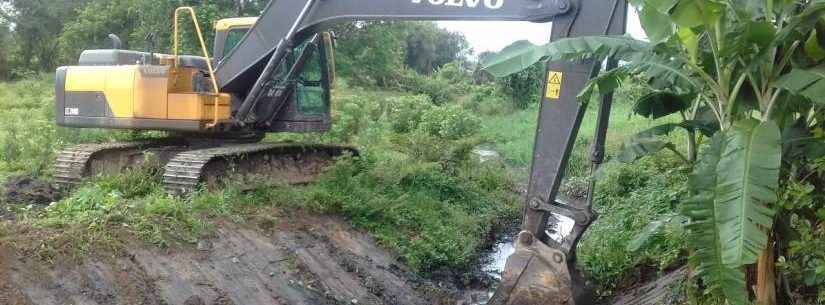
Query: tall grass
[(513, 134), (29, 137)]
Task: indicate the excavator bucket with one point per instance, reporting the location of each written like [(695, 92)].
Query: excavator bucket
[(534, 274)]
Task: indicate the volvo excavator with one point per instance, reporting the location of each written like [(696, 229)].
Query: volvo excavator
[(274, 73)]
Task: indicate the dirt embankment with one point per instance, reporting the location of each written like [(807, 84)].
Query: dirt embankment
[(297, 259)]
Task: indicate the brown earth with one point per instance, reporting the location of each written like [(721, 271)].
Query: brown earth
[(29, 190), (293, 259), (663, 290)]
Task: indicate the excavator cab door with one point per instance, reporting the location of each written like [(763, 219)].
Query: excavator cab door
[(307, 108)]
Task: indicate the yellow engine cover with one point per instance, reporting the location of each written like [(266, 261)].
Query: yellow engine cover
[(140, 92)]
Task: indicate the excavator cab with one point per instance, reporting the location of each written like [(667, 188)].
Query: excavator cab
[(307, 108), (297, 98)]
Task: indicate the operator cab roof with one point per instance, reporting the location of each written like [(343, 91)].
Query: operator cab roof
[(228, 23)]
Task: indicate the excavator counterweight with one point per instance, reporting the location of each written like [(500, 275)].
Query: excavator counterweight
[(274, 73)]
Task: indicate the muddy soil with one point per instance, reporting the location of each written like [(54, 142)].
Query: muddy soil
[(295, 259), (25, 191), (29, 190), (661, 291)]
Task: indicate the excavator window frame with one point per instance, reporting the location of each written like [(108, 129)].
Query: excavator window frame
[(235, 32), (319, 60), (220, 50)]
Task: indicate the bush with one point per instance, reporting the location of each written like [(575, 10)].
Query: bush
[(453, 73), (450, 122), (439, 92), (405, 112), (523, 88), (487, 99), (629, 198), (434, 218)]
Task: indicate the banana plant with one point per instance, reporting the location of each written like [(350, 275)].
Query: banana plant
[(747, 75)]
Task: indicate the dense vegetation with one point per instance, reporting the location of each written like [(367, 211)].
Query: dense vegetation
[(417, 108), (745, 78)]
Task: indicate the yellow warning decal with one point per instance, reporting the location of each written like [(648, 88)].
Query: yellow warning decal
[(554, 79)]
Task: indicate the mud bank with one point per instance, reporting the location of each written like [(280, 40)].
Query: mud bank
[(300, 259)]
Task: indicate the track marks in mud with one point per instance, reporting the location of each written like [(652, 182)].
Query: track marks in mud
[(243, 267), (346, 261), (300, 260)]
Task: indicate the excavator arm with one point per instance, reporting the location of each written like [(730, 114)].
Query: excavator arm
[(542, 270)]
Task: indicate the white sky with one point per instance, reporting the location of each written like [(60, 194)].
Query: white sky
[(495, 35)]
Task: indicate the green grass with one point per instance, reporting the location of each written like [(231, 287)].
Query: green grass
[(29, 137), (513, 134)]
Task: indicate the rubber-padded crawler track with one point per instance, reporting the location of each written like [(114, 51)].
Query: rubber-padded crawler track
[(188, 170)]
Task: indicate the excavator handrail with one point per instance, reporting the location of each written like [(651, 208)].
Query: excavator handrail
[(205, 55)]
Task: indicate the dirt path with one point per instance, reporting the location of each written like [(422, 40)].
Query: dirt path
[(301, 259)]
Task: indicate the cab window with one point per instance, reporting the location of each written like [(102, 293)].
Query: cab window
[(311, 94), (233, 37)]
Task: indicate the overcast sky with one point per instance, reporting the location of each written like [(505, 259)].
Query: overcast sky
[(494, 36)]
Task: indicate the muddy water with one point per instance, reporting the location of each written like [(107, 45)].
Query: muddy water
[(503, 249), (497, 258), (485, 153)]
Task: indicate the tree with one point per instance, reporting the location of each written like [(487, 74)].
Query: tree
[(430, 47), (377, 52), (37, 25), (371, 52), (5, 50), (752, 70), (133, 20)]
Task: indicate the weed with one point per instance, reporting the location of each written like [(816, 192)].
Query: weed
[(628, 199), (450, 122)]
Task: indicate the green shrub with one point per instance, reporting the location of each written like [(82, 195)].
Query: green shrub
[(454, 74), (486, 99), (802, 199), (523, 88), (434, 218), (439, 92), (404, 113), (450, 122), (629, 197)]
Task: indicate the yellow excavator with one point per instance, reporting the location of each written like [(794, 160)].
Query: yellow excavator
[(274, 74)]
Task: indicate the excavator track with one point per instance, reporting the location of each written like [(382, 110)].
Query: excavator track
[(80, 161), (288, 163)]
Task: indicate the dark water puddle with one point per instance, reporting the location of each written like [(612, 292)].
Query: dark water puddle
[(497, 257)]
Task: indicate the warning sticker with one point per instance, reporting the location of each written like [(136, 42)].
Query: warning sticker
[(554, 80)]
